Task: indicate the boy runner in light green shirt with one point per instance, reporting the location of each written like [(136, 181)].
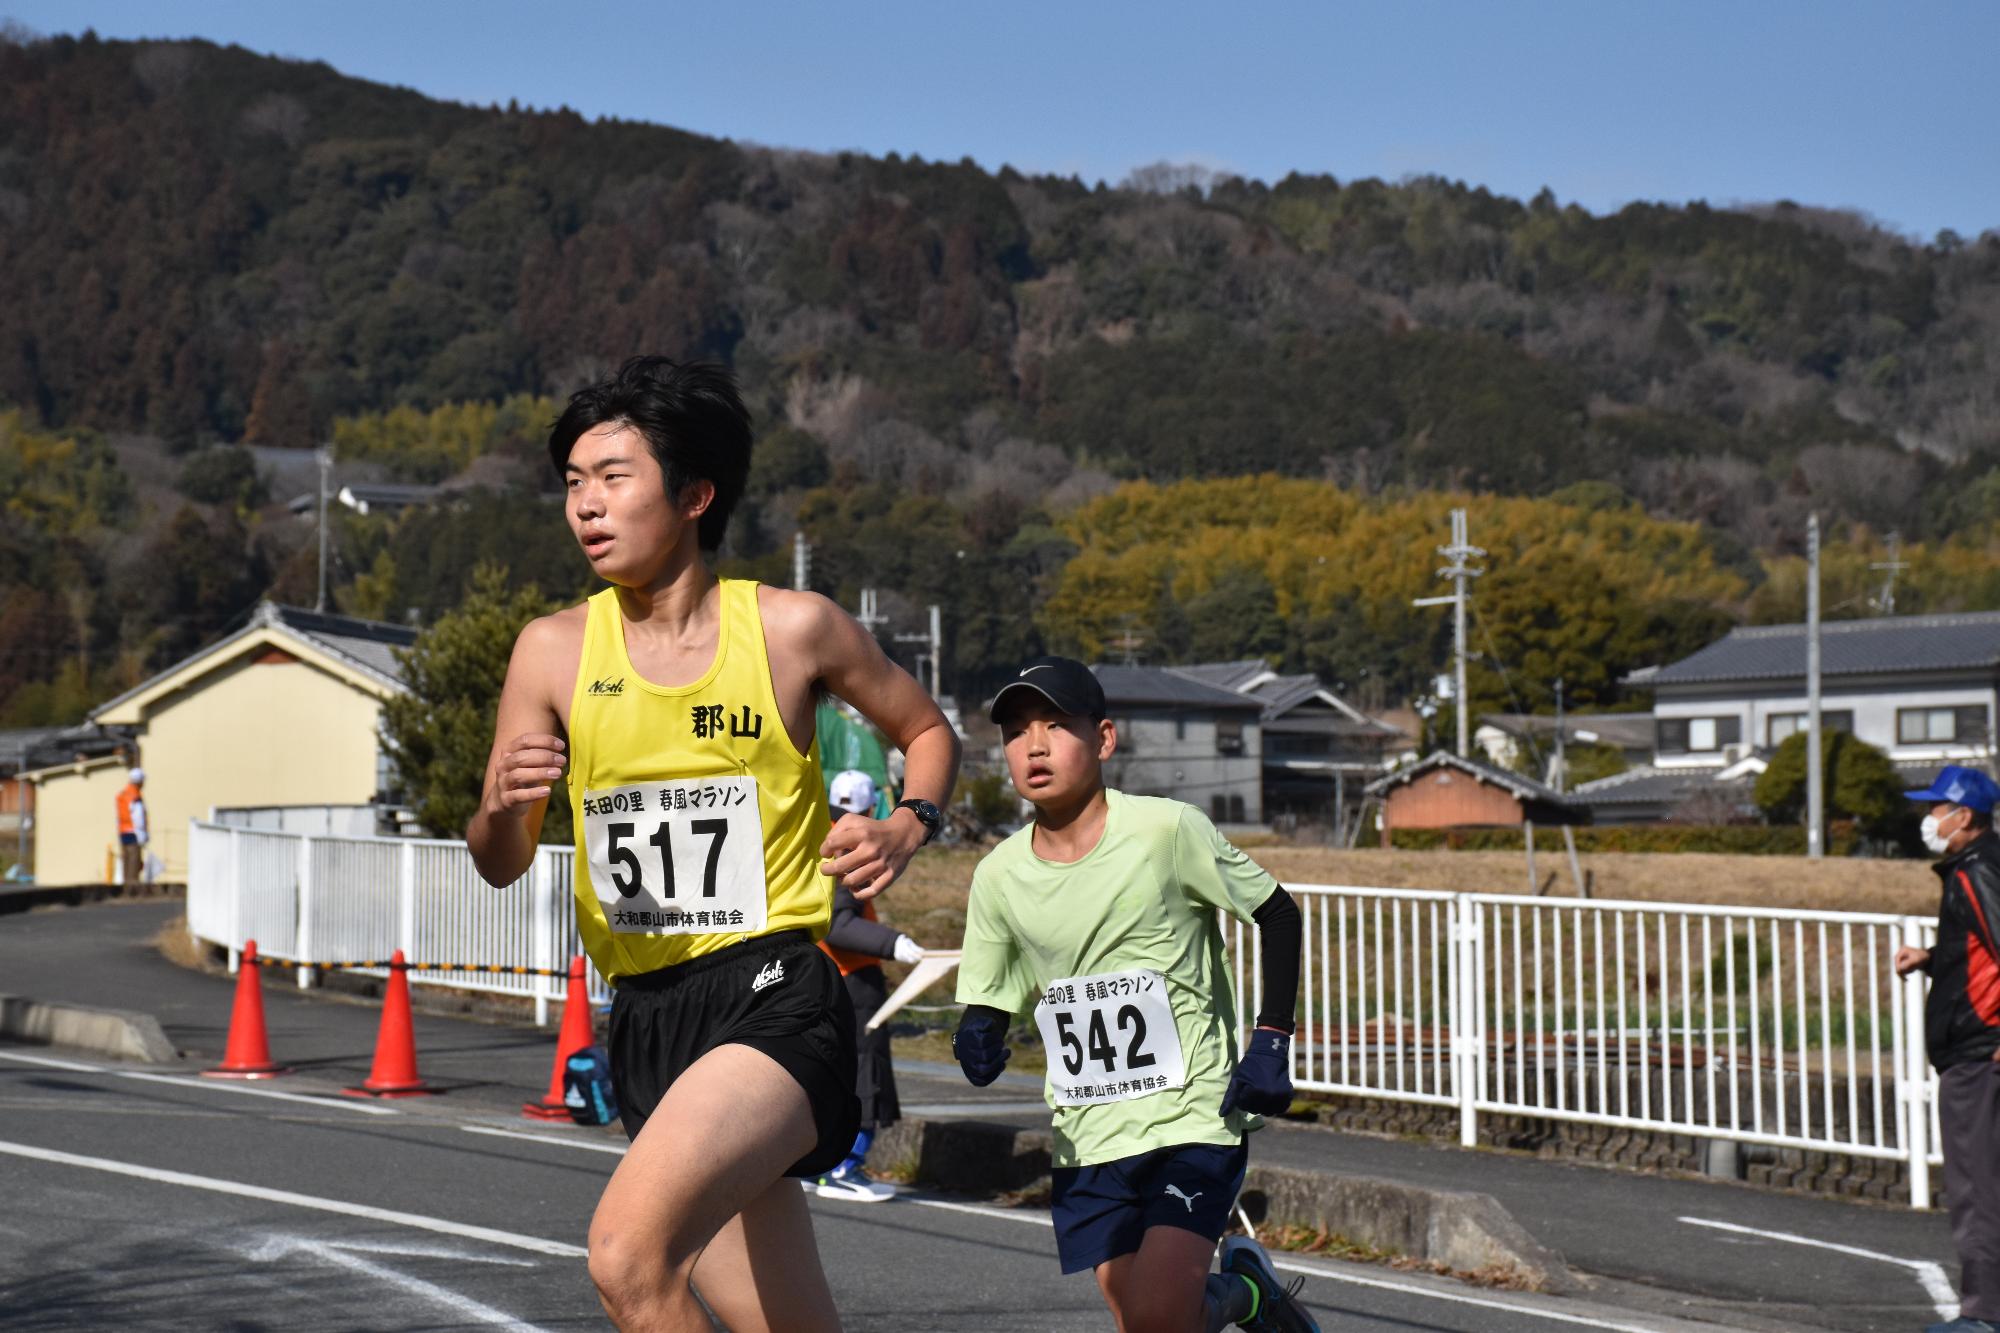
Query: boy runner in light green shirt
[(1100, 917)]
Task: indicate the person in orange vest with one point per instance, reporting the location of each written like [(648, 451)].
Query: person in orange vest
[(858, 942), (132, 835)]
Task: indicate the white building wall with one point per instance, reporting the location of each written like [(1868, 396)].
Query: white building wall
[(1158, 757)]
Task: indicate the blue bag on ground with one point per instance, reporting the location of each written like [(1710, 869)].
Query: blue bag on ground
[(587, 1087)]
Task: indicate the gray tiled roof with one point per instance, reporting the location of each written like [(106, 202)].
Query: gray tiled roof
[(1630, 731), (1157, 687), (1645, 785), (1885, 646), (1224, 675), (368, 644), (1524, 787)]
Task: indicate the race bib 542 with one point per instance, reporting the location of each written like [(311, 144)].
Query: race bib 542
[(1110, 1037), (677, 858)]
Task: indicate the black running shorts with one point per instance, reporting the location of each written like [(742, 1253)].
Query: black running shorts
[(779, 994)]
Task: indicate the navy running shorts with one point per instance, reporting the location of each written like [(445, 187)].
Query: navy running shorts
[(779, 994), (1103, 1211)]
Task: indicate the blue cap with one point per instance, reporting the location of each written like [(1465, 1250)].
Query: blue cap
[(1961, 786)]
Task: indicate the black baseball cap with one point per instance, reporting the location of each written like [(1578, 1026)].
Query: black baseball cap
[(1063, 681)]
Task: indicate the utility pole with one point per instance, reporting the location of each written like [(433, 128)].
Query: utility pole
[(1562, 766), (1815, 777), (1894, 565), (802, 562), (935, 640), (1460, 550), (325, 456), (869, 616)]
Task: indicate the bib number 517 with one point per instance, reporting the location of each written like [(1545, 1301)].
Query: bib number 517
[(624, 861)]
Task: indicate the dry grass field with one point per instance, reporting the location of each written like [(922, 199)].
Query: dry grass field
[(929, 902)]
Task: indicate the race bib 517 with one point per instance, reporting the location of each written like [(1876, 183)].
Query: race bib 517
[(1110, 1037), (677, 858)]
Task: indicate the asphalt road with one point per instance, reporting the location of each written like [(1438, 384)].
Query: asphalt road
[(145, 1197)]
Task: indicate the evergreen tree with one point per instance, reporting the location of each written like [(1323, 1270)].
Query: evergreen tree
[(440, 733)]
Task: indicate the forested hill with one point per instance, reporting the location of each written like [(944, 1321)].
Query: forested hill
[(951, 370), (203, 243)]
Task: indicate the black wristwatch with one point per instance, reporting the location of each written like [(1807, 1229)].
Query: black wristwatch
[(929, 815)]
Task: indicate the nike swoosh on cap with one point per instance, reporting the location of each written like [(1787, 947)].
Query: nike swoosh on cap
[(1040, 666)]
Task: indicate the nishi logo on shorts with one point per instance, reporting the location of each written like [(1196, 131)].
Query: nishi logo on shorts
[(604, 687), (774, 972)]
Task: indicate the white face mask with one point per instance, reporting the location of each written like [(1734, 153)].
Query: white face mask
[(1938, 843)]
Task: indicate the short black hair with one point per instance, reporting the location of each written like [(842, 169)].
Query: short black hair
[(692, 417)]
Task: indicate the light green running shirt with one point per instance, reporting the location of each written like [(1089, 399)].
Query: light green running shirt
[(1103, 950)]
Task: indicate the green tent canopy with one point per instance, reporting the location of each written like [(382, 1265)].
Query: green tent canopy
[(845, 742)]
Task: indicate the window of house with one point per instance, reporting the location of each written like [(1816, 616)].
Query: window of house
[(1963, 724), (1780, 725), (1697, 735), (1228, 737), (1218, 808), (1236, 809), (1180, 728)]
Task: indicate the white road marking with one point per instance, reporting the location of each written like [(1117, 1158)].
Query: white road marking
[(277, 1247), (550, 1139), (536, 1244), (52, 1064), (1282, 1261), (204, 1085), (243, 1089), (1935, 1284)]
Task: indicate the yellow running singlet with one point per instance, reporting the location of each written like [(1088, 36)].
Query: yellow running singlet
[(698, 822)]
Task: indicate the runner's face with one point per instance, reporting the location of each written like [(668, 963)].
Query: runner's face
[(1054, 757), (618, 507)]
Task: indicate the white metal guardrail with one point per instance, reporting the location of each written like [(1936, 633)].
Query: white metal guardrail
[(330, 899), (1760, 1026)]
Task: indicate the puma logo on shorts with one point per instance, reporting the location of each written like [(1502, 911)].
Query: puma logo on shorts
[(772, 973), (1187, 1199)]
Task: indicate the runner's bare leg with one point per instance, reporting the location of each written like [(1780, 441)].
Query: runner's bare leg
[(1159, 1287), (721, 1137), (762, 1274)]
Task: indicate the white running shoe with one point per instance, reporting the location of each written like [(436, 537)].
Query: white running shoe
[(854, 1187)]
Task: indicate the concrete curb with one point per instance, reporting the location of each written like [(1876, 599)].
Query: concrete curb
[(1457, 1228), (119, 1033)]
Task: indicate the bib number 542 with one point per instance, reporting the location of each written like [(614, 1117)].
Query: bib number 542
[(1096, 1042)]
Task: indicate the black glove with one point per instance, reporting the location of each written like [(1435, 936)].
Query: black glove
[(1263, 1078), (981, 1047)]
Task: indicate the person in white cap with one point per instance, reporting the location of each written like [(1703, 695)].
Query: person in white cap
[(857, 942), (132, 837)]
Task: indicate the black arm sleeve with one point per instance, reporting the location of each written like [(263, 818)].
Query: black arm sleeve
[(1278, 952), (855, 933)]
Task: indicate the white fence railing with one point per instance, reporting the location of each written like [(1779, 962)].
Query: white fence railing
[(1759, 1026), (330, 900)]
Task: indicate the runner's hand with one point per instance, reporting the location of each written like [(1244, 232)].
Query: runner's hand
[(529, 769), (908, 950), (981, 1047), (1910, 959), (866, 855), (1263, 1078)]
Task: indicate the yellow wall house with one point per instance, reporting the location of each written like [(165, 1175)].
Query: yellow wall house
[(283, 712)]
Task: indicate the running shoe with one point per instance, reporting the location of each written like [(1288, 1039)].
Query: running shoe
[(1278, 1308), (846, 1182)]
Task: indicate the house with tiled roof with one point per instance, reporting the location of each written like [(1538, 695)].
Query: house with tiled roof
[(283, 712), (1318, 751), (1922, 689)]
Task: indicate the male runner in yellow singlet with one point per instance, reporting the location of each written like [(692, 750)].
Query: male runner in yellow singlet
[(680, 706)]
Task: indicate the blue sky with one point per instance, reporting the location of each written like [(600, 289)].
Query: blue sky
[(1887, 108)]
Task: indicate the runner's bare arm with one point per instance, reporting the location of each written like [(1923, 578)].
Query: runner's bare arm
[(527, 761), (867, 854)]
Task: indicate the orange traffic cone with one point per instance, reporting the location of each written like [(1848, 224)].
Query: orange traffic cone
[(395, 1070), (248, 1054), (574, 1036)]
